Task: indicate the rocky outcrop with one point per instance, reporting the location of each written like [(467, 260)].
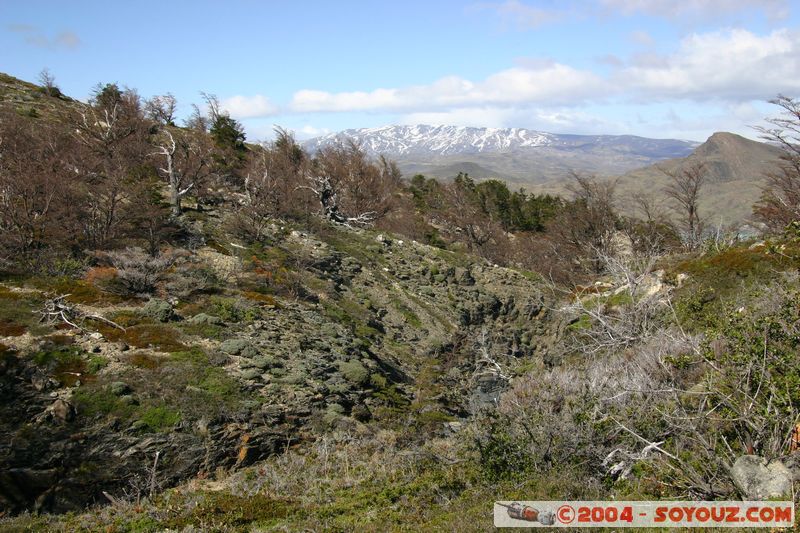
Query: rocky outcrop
[(758, 479), (374, 325)]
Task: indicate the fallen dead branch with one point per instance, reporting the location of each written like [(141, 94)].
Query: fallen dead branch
[(57, 309)]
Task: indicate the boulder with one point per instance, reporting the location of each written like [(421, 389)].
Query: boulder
[(242, 347), (354, 372), (63, 410), (203, 319), (758, 479), (118, 388), (159, 310)]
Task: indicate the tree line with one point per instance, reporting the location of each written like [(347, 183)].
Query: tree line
[(119, 171)]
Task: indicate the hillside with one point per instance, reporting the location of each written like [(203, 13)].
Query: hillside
[(514, 154), (735, 168), (197, 334)]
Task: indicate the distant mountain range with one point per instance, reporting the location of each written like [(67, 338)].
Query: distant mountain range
[(542, 162), (735, 174), (514, 154)]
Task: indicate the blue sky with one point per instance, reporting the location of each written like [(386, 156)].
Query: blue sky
[(656, 68)]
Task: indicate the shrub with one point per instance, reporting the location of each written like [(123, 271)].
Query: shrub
[(137, 272)]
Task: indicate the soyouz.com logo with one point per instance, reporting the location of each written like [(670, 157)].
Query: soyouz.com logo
[(643, 514)]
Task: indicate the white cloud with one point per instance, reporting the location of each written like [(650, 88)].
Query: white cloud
[(713, 80), (34, 36), (684, 10), (249, 106), (642, 38), (522, 16), (490, 117), (546, 82), (544, 118), (729, 65), (311, 131)]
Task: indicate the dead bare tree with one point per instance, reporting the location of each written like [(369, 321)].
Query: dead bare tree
[(56, 310), (684, 188), (48, 83), (779, 204), (187, 163), (350, 188)]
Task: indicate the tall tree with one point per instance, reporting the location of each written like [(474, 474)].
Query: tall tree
[(112, 135), (39, 207), (187, 163)]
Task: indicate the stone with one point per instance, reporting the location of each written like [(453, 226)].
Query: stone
[(251, 373), (354, 372), (118, 388), (63, 410), (264, 362), (242, 347), (464, 277), (203, 319), (128, 399), (758, 479), (159, 310)]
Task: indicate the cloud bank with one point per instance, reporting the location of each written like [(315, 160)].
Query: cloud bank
[(731, 66)]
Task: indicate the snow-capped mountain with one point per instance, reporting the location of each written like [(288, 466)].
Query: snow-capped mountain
[(515, 154), (452, 140)]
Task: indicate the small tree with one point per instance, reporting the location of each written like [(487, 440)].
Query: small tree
[(162, 109), (48, 83), (111, 134), (350, 188), (684, 190), (228, 135), (583, 232)]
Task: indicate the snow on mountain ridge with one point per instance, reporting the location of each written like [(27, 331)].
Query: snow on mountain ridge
[(443, 140)]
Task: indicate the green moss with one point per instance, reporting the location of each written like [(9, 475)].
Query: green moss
[(218, 511), (96, 363), (144, 360), (79, 291), (66, 363), (160, 418), (219, 385), (716, 280), (18, 313), (97, 401), (354, 372), (236, 310), (410, 317), (160, 337), (204, 330)]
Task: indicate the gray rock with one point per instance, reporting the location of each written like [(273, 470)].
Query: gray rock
[(63, 410), (158, 310), (128, 399), (758, 480), (241, 347), (354, 372), (264, 362), (251, 373), (202, 319), (118, 388)]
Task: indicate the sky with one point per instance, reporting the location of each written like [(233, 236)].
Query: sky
[(656, 68)]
